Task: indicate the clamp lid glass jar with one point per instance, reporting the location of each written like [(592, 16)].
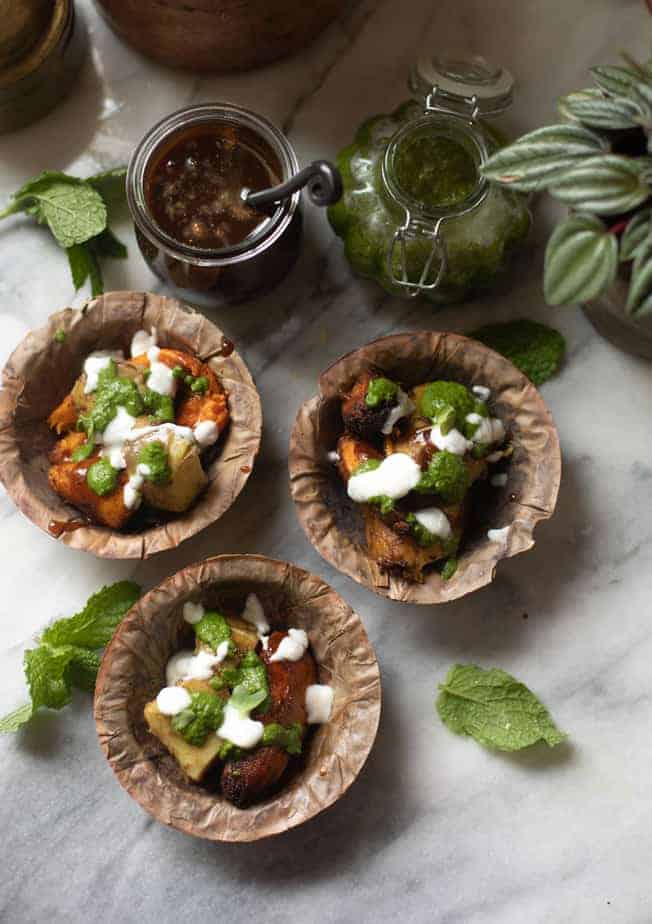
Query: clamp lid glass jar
[(417, 214), (214, 192)]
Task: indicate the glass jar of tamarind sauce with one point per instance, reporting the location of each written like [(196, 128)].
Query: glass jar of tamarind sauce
[(184, 189)]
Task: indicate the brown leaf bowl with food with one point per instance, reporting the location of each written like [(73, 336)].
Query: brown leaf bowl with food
[(378, 549), (41, 403), (134, 670)]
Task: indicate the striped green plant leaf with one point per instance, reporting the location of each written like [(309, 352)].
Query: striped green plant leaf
[(618, 81), (581, 260), (637, 230), (542, 156), (639, 301), (598, 111), (605, 185), (585, 94)]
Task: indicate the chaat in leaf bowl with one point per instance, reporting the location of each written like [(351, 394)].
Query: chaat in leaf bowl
[(238, 699), (127, 426), (425, 459)]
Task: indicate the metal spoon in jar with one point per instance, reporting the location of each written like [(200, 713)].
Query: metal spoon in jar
[(321, 179)]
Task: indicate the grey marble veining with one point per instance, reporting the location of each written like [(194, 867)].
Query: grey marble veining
[(436, 829)]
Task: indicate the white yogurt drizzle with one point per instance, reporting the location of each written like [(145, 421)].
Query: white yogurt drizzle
[(453, 441), (319, 703), (498, 535), (403, 408), (131, 493), (292, 647), (396, 476), (185, 665), (206, 433), (499, 481), (333, 457), (141, 342), (239, 729), (482, 392), (95, 363), (160, 377), (193, 612), (254, 614), (435, 521), (173, 700), (488, 430)]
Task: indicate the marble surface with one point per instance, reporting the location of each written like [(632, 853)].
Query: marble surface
[(436, 829)]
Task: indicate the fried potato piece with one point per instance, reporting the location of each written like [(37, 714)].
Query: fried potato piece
[(68, 479), (360, 419), (353, 452), (194, 761), (243, 636), (187, 477), (415, 442), (259, 773), (64, 417), (212, 405), (391, 543)]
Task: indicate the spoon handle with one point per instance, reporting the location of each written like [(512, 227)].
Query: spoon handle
[(321, 178)]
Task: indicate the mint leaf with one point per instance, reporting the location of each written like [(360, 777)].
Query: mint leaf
[(67, 655), (76, 212), (495, 709), (73, 210), (83, 668), (246, 700), (79, 262), (107, 244), (46, 670), (110, 184), (13, 721), (94, 626)]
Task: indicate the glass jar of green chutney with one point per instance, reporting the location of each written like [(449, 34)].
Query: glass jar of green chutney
[(417, 215)]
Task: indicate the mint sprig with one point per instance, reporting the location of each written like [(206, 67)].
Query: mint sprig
[(76, 212), (68, 654), (495, 709)]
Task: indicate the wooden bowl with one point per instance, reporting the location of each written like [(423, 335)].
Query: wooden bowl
[(41, 371), (333, 523), (133, 671), (218, 35)]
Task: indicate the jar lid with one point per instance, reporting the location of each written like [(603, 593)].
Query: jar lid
[(462, 79)]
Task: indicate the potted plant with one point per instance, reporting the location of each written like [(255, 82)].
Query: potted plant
[(598, 162)]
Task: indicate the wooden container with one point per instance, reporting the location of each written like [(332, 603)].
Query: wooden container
[(41, 51), (218, 35)]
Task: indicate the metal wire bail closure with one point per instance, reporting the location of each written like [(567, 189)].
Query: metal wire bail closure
[(413, 229)]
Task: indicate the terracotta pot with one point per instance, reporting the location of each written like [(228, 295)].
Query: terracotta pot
[(609, 317), (218, 35)]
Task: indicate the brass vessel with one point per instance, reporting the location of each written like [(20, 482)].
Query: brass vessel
[(41, 50)]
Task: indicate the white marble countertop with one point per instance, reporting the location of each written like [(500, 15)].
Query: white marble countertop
[(436, 829)]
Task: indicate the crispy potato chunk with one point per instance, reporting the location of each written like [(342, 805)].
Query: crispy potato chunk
[(259, 773), (68, 479), (353, 452), (212, 405), (194, 761), (391, 543), (360, 419), (187, 480)]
